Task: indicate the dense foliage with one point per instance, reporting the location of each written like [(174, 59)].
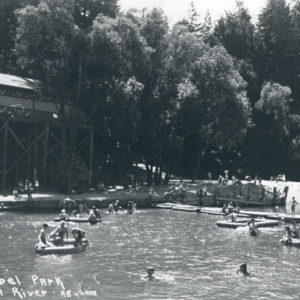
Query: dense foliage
[(186, 100)]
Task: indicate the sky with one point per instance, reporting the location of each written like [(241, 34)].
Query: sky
[(178, 9)]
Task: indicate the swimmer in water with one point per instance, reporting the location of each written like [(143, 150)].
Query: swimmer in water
[(243, 270), (150, 272), (295, 231), (252, 228)]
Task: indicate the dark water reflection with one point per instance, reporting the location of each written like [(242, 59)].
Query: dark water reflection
[(193, 258)]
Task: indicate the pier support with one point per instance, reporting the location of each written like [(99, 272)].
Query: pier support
[(4, 161), (91, 157)]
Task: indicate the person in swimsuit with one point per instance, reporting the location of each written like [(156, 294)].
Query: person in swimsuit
[(43, 242), (63, 216), (96, 212), (117, 206), (252, 228), (293, 205), (60, 232), (78, 235)]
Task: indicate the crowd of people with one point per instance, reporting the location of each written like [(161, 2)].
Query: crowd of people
[(27, 187)]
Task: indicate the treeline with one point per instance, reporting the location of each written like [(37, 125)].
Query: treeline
[(187, 99)]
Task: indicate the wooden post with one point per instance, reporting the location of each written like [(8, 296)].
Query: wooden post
[(45, 154), (4, 162), (35, 149), (91, 158), (29, 158)]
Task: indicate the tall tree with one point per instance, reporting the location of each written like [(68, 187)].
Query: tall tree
[(215, 113), (8, 24), (278, 58), (86, 11), (44, 41)]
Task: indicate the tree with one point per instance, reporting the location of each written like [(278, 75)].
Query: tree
[(236, 33), (86, 11), (8, 24), (44, 42), (270, 138), (215, 112), (278, 57)]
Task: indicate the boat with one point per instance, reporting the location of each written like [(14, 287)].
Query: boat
[(262, 223), (188, 208), (59, 242), (65, 249), (290, 242), (78, 220)]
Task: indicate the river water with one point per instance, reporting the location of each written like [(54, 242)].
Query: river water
[(193, 259)]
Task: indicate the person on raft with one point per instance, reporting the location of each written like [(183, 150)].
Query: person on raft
[(43, 242), (233, 217), (252, 228), (293, 205), (92, 217), (78, 235), (150, 272), (230, 207), (82, 208), (59, 232), (96, 212), (224, 209), (130, 207), (117, 206), (63, 215), (243, 270)]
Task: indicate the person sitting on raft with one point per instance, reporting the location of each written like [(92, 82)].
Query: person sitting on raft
[(295, 231), (130, 207), (117, 207), (237, 209), (233, 217), (224, 209), (43, 242), (63, 216), (252, 228), (230, 207), (59, 232), (150, 272), (96, 212), (92, 218), (82, 208), (243, 270), (78, 235)]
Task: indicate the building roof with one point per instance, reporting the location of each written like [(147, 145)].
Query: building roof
[(18, 82)]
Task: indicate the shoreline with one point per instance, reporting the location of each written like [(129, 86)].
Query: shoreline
[(142, 196)]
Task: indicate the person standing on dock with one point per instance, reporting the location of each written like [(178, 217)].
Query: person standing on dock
[(293, 205)]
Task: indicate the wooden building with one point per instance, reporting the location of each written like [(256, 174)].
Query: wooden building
[(31, 136)]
